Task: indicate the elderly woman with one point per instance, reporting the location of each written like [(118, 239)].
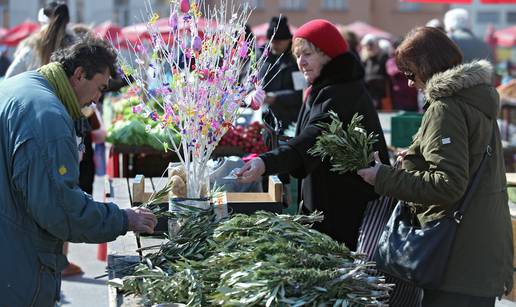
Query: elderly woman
[(460, 117), (336, 84)]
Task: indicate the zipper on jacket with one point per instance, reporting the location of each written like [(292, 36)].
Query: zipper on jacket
[(41, 269)]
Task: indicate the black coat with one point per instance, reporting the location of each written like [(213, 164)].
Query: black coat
[(342, 198), (278, 80)]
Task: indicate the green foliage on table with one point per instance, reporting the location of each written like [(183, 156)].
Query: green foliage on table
[(263, 259), (347, 150), (136, 130)]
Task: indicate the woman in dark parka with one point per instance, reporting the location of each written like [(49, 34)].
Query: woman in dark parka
[(336, 84)]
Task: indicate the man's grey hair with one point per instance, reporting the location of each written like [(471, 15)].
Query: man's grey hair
[(456, 19)]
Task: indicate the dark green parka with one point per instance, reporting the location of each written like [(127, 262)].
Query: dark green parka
[(447, 150)]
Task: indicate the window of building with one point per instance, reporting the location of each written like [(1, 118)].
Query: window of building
[(488, 17), (121, 12), (409, 6), (511, 17), (293, 5), (162, 7), (339, 5), (257, 4), (4, 13), (79, 10)]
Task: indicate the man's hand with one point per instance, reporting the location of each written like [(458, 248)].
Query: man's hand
[(141, 220), (251, 171), (369, 174)]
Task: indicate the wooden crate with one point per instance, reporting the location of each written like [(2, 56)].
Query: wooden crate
[(237, 202)]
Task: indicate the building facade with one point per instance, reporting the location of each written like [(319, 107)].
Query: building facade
[(90, 12), (482, 15), (392, 16)]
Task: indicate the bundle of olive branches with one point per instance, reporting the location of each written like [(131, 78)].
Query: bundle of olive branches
[(259, 260), (349, 149)]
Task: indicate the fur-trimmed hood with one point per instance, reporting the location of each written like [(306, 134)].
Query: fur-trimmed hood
[(469, 83)]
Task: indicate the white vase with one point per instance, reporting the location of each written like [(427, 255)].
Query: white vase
[(197, 189)]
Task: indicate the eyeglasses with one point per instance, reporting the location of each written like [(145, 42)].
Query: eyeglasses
[(410, 75)]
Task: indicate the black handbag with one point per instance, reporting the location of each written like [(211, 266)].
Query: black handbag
[(419, 254)]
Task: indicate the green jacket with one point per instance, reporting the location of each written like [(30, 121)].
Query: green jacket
[(447, 150)]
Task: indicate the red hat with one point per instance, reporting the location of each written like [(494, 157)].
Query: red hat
[(324, 35)]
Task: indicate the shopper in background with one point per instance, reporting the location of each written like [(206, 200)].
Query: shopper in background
[(351, 38), (435, 23), (404, 97), (36, 50), (457, 24), (374, 59), (282, 79)]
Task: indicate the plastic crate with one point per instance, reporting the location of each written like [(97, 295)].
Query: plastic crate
[(403, 127)]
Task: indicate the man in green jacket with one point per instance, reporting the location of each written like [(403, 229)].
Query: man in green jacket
[(41, 204)]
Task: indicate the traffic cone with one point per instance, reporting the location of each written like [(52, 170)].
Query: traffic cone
[(102, 251)]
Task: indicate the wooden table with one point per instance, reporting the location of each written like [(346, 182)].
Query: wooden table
[(126, 191)]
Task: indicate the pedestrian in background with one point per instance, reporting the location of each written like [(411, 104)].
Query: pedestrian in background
[(374, 59), (457, 24), (351, 38), (458, 123), (35, 51), (404, 97), (283, 82)]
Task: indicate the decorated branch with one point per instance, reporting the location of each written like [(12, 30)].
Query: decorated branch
[(194, 80)]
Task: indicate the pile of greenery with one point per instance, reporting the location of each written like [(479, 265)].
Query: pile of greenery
[(133, 129), (347, 150), (262, 259)]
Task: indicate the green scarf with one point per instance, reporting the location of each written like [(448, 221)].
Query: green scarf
[(56, 76)]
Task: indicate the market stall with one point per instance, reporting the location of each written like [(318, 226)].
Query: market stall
[(137, 142), (281, 232), (127, 192), (13, 36)]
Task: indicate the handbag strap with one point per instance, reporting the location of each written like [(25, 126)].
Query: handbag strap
[(466, 199)]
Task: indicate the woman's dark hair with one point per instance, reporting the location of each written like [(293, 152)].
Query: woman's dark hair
[(426, 51), (50, 8), (92, 54), (53, 37)]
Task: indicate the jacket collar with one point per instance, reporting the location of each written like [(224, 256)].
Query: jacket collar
[(343, 68), (453, 80)]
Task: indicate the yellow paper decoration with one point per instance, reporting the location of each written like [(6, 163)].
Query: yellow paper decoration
[(154, 18)]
